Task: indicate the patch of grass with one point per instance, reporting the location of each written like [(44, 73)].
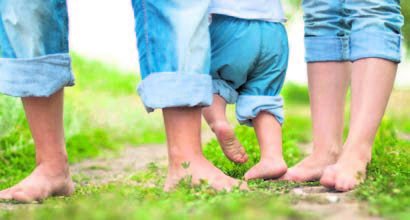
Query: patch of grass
[(137, 199), (387, 187)]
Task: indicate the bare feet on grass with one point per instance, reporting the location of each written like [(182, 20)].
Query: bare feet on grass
[(311, 168), (44, 181), (349, 171), (231, 146), (267, 169), (199, 170)]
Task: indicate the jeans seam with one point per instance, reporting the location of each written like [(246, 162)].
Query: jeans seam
[(144, 11)]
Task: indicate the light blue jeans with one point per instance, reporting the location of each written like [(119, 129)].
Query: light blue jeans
[(34, 58), (174, 51), (349, 30)]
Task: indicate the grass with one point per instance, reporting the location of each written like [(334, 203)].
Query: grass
[(134, 201), (387, 187), (103, 114)]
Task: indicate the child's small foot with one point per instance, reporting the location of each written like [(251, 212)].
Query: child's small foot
[(231, 147), (348, 172), (311, 168), (41, 184), (200, 169), (267, 169)]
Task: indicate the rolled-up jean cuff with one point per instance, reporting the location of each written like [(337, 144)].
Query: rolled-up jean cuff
[(368, 44), (221, 88), (170, 89), (248, 107), (325, 48), (35, 77)]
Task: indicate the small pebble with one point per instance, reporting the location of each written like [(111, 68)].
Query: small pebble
[(299, 192), (333, 198)]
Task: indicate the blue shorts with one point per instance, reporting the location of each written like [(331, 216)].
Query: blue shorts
[(349, 30), (248, 65), (174, 51)]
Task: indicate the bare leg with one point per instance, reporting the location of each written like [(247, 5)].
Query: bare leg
[(269, 133), (328, 83), (183, 128), (51, 176), (372, 83), (215, 115)]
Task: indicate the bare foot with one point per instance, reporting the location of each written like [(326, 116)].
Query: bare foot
[(41, 184), (348, 172), (231, 147), (311, 168), (267, 169), (199, 170)]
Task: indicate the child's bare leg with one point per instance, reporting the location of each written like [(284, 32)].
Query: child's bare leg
[(372, 83), (183, 127), (269, 133), (215, 115), (51, 175), (328, 83)]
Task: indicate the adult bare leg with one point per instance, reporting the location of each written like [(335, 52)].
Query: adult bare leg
[(328, 83), (185, 157), (51, 177), (372, 84)]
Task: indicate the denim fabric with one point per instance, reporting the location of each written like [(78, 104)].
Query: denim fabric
[(174, 49), (349, 30), (248, 65), (34, 58), (248, 107)]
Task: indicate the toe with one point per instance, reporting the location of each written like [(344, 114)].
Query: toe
[(7, 194), (243, 185), (250, 174), (30, 195), (344, 184), (292, 175), (240, 158), (328, 177), (21, 196)]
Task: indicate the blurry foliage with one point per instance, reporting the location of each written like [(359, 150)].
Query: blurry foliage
[(295, 94)]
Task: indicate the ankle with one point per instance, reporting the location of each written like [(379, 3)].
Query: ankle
[(361, 152), (177, 161), (330, 152), (275, 158), (219, 124), (51, 168)]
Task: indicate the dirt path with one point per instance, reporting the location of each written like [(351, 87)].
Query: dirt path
[(131, 160), (329, 204)]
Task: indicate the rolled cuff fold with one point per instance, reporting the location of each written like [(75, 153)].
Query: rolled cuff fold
[(248, 107), (368, 44), (170, 89), (221, 88), (322, 49), (35, 77)]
